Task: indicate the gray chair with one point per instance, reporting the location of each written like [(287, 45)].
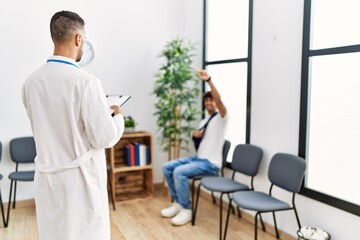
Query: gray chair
[(246, 160), (1, 202), (196, 178), (22, 150), (285, 171)]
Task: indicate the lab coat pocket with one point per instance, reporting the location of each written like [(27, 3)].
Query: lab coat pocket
[(91, 176)]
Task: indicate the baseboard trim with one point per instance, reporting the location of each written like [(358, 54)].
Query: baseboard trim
[(22, 203), (31, 202), (250, 218), (159, 186)]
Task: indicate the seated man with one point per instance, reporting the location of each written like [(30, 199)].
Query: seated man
[(208, 159)]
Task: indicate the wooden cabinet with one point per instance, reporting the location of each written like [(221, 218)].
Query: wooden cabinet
[(130, 182)]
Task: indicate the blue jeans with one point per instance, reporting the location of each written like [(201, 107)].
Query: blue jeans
[(177, 173)]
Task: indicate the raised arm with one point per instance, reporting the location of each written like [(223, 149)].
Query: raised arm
[(217, 98)]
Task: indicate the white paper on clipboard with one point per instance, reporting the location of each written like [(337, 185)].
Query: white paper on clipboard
[(118, 100)]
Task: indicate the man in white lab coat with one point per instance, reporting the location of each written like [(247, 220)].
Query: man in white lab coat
[(72, 125)]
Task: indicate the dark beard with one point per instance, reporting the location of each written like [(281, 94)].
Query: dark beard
[(78, 59)]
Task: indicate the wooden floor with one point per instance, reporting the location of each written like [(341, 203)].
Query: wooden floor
[(141, 220)]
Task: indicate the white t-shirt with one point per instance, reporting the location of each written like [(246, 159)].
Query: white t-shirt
[(211, 145)]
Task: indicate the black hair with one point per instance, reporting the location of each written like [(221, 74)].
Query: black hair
[(63, 24), (207, 95)]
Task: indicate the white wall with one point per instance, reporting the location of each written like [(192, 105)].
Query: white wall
[(127, 37), (277, 46)]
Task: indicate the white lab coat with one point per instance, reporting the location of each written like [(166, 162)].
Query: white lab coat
[(71, 126)]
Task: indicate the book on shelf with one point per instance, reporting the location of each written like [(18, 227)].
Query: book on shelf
[(137, 154), (148, 156), (142, 158), (129, 155)]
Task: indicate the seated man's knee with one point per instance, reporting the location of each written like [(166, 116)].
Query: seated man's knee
[(179, 173), (166, 167)]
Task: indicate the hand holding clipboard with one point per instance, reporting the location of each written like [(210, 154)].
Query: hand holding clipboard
[(116, 100)]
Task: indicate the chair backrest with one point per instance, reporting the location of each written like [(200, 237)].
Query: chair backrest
[(22, 150), (225, 151), (246, 159), (287, 171)]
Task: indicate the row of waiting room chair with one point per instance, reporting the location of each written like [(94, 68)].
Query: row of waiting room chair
[(285, 171), (22, 150)]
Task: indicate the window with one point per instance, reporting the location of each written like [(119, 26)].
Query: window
[(330, 97), (227, 58)]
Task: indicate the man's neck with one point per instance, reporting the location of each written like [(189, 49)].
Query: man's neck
[(211, 112), (64, 51)]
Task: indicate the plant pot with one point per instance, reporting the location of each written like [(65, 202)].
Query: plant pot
[(129, 129)]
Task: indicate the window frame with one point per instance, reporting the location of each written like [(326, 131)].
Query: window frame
[(307, 53), (248, 60)]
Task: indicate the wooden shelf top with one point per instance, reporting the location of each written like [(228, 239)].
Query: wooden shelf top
[(136, 134), (129, 169)]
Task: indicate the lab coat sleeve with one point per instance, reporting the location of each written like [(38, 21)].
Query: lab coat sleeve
[(23, 96), (102, 130), (25, 102)]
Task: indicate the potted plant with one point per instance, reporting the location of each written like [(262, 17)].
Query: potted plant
[(129, 124), (177, 90)]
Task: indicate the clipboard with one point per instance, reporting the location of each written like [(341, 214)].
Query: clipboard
[(116, 99), (119, 100)]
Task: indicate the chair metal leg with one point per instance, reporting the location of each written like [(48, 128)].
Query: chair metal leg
[(262, 223), (232, 207), (227, 218), (276, 229), (221, 208), (196, 205), (256, 223), (297, 217), (192, 197), (213, 198), (14, 194), (9, 204), (238, 211), (2, 211)]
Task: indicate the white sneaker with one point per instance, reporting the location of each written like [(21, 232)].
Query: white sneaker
[(171, 211), (184, 216)]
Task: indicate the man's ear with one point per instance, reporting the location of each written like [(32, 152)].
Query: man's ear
[(78, 39)]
